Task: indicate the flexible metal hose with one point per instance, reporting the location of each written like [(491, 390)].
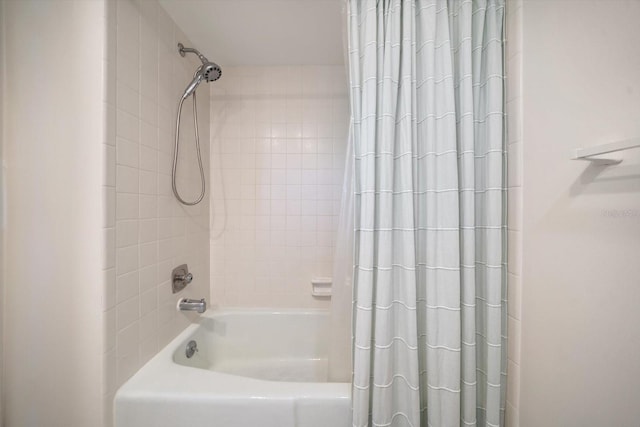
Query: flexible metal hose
[(175, 154)]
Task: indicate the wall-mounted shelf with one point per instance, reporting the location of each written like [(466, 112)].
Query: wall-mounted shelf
[(588, 153), (321, 287)]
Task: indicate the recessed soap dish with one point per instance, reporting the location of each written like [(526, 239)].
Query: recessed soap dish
[(321, 287)]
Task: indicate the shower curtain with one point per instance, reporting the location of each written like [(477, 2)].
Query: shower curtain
[(430, 274)]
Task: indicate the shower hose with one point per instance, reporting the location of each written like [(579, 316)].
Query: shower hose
[(176, 150)]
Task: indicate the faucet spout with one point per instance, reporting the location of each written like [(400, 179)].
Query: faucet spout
[(199, 305)]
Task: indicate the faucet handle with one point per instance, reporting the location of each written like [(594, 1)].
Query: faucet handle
[(186, 278), (180, 278)]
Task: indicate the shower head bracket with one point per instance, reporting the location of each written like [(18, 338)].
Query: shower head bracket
[(181, 50)]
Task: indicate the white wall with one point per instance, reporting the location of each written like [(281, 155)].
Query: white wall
[(52, 95), (2, 206), (581, 222), (278, 152), (148, 232)]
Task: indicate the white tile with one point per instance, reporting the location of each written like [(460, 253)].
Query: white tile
[(127, 152), (109, 373), (514, 289), (514, 206), (126, 206), (148, 303), (324, 207), (127, 100), (127, 365), (148, 277), (309, 161), (110, 166), (127, 126), (127, 340), (166, 121), (309, 129), (514, 77), (109, 297), (127, 286), (514, 28), (109, 249), (512, 418), (513, 383), (294, 146), (293, 192), (148, 230), (324, 161), (278, 192), (148, 206), (165, 228), (126, 179), (294, 161), (127, 71), (148, 347), (293, 130), (109, 320), (110, 206), (514, 342), (164, 163), (148, 254), (166, 249), (148, 158), (126, 233), (127, 312), (514, 120), (148, 182), (126, 259), (325, 146), (149, 135), (515, 252), (149, 110)]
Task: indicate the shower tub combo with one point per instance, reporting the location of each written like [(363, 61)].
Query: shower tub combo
[(246, 368)]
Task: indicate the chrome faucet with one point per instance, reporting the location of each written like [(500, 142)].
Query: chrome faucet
[(199, 305)]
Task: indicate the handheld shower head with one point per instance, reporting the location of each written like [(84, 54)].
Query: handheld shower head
[(208, 71), (197, 79)]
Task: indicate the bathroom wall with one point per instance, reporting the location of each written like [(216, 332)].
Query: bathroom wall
[(581, 222), (148, 232), (52, 212), (278, 140), (2, 206), (514, 182)]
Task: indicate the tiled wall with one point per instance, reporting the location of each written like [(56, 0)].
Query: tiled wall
[(147, 232), (515, 140), (278, 139)]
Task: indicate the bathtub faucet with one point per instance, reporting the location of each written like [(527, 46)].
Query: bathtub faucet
[(199, 305)]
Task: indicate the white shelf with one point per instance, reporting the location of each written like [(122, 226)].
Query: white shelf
[(321, 287), (587, 153)]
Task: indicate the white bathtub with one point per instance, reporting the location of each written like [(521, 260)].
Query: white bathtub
[(254, 368)]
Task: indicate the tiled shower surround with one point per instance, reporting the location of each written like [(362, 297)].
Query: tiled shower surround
[(147, 232), (278, 141)]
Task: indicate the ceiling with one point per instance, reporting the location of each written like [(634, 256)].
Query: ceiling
[(262, 32)]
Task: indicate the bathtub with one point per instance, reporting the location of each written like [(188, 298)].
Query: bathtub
[(253, 368)]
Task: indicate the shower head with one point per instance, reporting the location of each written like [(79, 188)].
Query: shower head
[(211, 71), (208, 71)]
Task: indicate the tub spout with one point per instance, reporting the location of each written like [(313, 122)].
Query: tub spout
[(199, 305)]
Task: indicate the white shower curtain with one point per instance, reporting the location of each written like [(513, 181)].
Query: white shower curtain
[(429, 280)]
